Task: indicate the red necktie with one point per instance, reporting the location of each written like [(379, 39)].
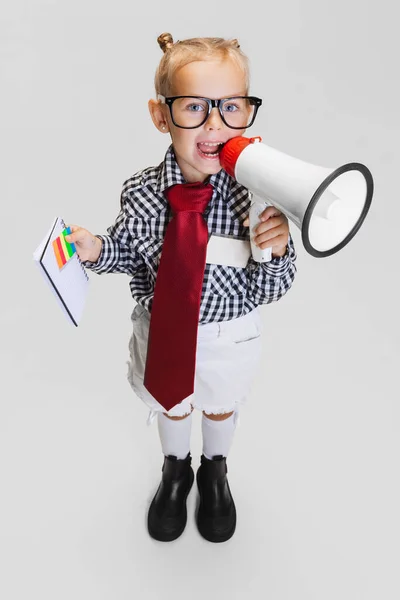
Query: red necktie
[(171, 350)]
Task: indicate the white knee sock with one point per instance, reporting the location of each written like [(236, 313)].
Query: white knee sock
[(174, 435), (217, 436)]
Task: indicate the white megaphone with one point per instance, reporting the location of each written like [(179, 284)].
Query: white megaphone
[(328, 205)]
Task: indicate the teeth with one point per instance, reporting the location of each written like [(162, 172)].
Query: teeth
[(211, 143)]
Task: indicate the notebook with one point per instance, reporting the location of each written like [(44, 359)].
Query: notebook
[(61, 267)]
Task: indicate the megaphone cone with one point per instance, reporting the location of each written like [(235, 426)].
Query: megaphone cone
[(328, 205)]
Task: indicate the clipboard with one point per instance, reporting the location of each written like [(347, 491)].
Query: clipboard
[(69, 282)]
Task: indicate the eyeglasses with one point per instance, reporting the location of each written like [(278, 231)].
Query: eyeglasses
[(189, 112)]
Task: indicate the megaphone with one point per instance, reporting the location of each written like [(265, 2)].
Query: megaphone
[(328, 205)]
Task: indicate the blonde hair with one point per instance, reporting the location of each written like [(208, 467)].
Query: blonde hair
[(181, 53)]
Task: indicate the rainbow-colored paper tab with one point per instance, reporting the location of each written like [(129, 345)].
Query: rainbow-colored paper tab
[(63, 249)]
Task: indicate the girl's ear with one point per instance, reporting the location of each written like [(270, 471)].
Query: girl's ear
[(157, 112)]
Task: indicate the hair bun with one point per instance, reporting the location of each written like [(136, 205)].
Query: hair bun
[(165, 41)]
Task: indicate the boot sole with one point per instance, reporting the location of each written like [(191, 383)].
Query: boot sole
[(165, 537), (205, 531)]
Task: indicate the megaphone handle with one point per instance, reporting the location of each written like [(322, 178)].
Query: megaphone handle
[(256, 208)]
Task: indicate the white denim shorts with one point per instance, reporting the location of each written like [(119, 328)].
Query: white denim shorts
[(227, 359)]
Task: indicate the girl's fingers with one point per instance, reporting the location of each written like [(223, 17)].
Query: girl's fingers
[(271, 223), (270, 211), (72, 238), (270, 235)]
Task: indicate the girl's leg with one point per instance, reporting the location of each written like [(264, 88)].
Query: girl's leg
[(167, 513), (218, 431), (216, 516), (175, 434)]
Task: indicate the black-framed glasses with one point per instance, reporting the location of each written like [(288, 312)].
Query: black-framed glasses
[(189, 112)]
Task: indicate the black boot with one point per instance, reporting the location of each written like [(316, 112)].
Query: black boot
[(216, 517), (167, 513)]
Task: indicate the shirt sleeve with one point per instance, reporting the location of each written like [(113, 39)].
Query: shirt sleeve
[(271, 280), (118, 254)]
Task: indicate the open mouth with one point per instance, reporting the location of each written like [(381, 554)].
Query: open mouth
[(210, 149)]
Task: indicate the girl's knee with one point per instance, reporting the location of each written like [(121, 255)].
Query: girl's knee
[(220, 417), (179, 418)]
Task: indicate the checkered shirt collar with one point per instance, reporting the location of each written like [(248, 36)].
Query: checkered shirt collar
[(235, 194)]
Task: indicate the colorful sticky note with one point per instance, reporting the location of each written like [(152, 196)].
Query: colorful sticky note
[(63, 250)]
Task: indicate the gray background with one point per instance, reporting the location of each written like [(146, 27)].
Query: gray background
[(314, 464)]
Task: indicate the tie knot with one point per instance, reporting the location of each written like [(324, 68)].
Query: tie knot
[(190, 197)]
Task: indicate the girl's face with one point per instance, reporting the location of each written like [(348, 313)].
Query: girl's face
[(214, 79)]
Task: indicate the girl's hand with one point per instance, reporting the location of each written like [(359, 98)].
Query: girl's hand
[(88, 247), (272, 232)]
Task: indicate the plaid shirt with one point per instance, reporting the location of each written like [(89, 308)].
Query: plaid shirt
[(135, 241)]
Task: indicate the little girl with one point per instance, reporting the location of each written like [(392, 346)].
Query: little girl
[(202, 100)]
